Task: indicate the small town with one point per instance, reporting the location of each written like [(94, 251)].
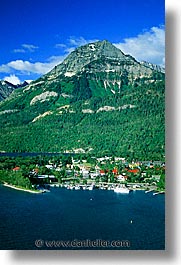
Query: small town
[(87, 173)]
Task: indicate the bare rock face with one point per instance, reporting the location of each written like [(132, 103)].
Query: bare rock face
[(92, 69), (102, 61), (6, 89), (153, 66), (95, 69), (100, 56)]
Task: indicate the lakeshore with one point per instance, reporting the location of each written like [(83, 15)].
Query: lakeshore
[(84, 187), (21, 189), (37, 174)]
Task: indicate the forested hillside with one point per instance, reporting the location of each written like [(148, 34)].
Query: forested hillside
[(107, 106)]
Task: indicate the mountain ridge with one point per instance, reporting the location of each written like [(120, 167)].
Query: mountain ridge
[(96, 92), (6, 88), (84, 55)]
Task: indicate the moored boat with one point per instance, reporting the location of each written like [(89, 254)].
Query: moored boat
[(90, 187), (121, 190)]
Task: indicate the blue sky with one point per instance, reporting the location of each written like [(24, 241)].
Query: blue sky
[(36, 35)]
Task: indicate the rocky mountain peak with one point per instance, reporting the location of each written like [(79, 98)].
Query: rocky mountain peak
[(109, 50), (96, 99), (97, 68), (6, 89), (83, 55)]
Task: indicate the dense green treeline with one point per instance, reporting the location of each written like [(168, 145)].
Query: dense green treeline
[(134, 128), (16, 179)]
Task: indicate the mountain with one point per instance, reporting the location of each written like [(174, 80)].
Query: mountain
[(25, 83), (6, 88), (105, 68), (153, 66), (98, 100)]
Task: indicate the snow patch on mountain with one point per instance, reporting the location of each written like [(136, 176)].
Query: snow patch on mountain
[(92, 47)]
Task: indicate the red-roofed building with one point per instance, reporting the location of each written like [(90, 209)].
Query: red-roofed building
[(16, 168), (135, 170), (102, 172), (115, 171)]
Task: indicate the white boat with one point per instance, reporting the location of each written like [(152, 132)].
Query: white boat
[(90, 187), (77, 187), (146, 191), (121, 190), (70, 187), (44, 190), (110, 188)]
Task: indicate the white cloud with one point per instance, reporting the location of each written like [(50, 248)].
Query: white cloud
[(76, 42), (13, 79), (60, 45), (69, 49), (19, 51), (28, 81), (26, 67), (4, 68), (30, 47), (26, 48), (56, 59), (147, 46), (73, 43)]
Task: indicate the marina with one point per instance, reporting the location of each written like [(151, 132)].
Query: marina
[(117, 188)]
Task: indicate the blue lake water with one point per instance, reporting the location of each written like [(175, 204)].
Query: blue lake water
[(69, 215)]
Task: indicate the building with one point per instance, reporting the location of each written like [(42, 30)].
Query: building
[(122, 178), (16, 169)]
